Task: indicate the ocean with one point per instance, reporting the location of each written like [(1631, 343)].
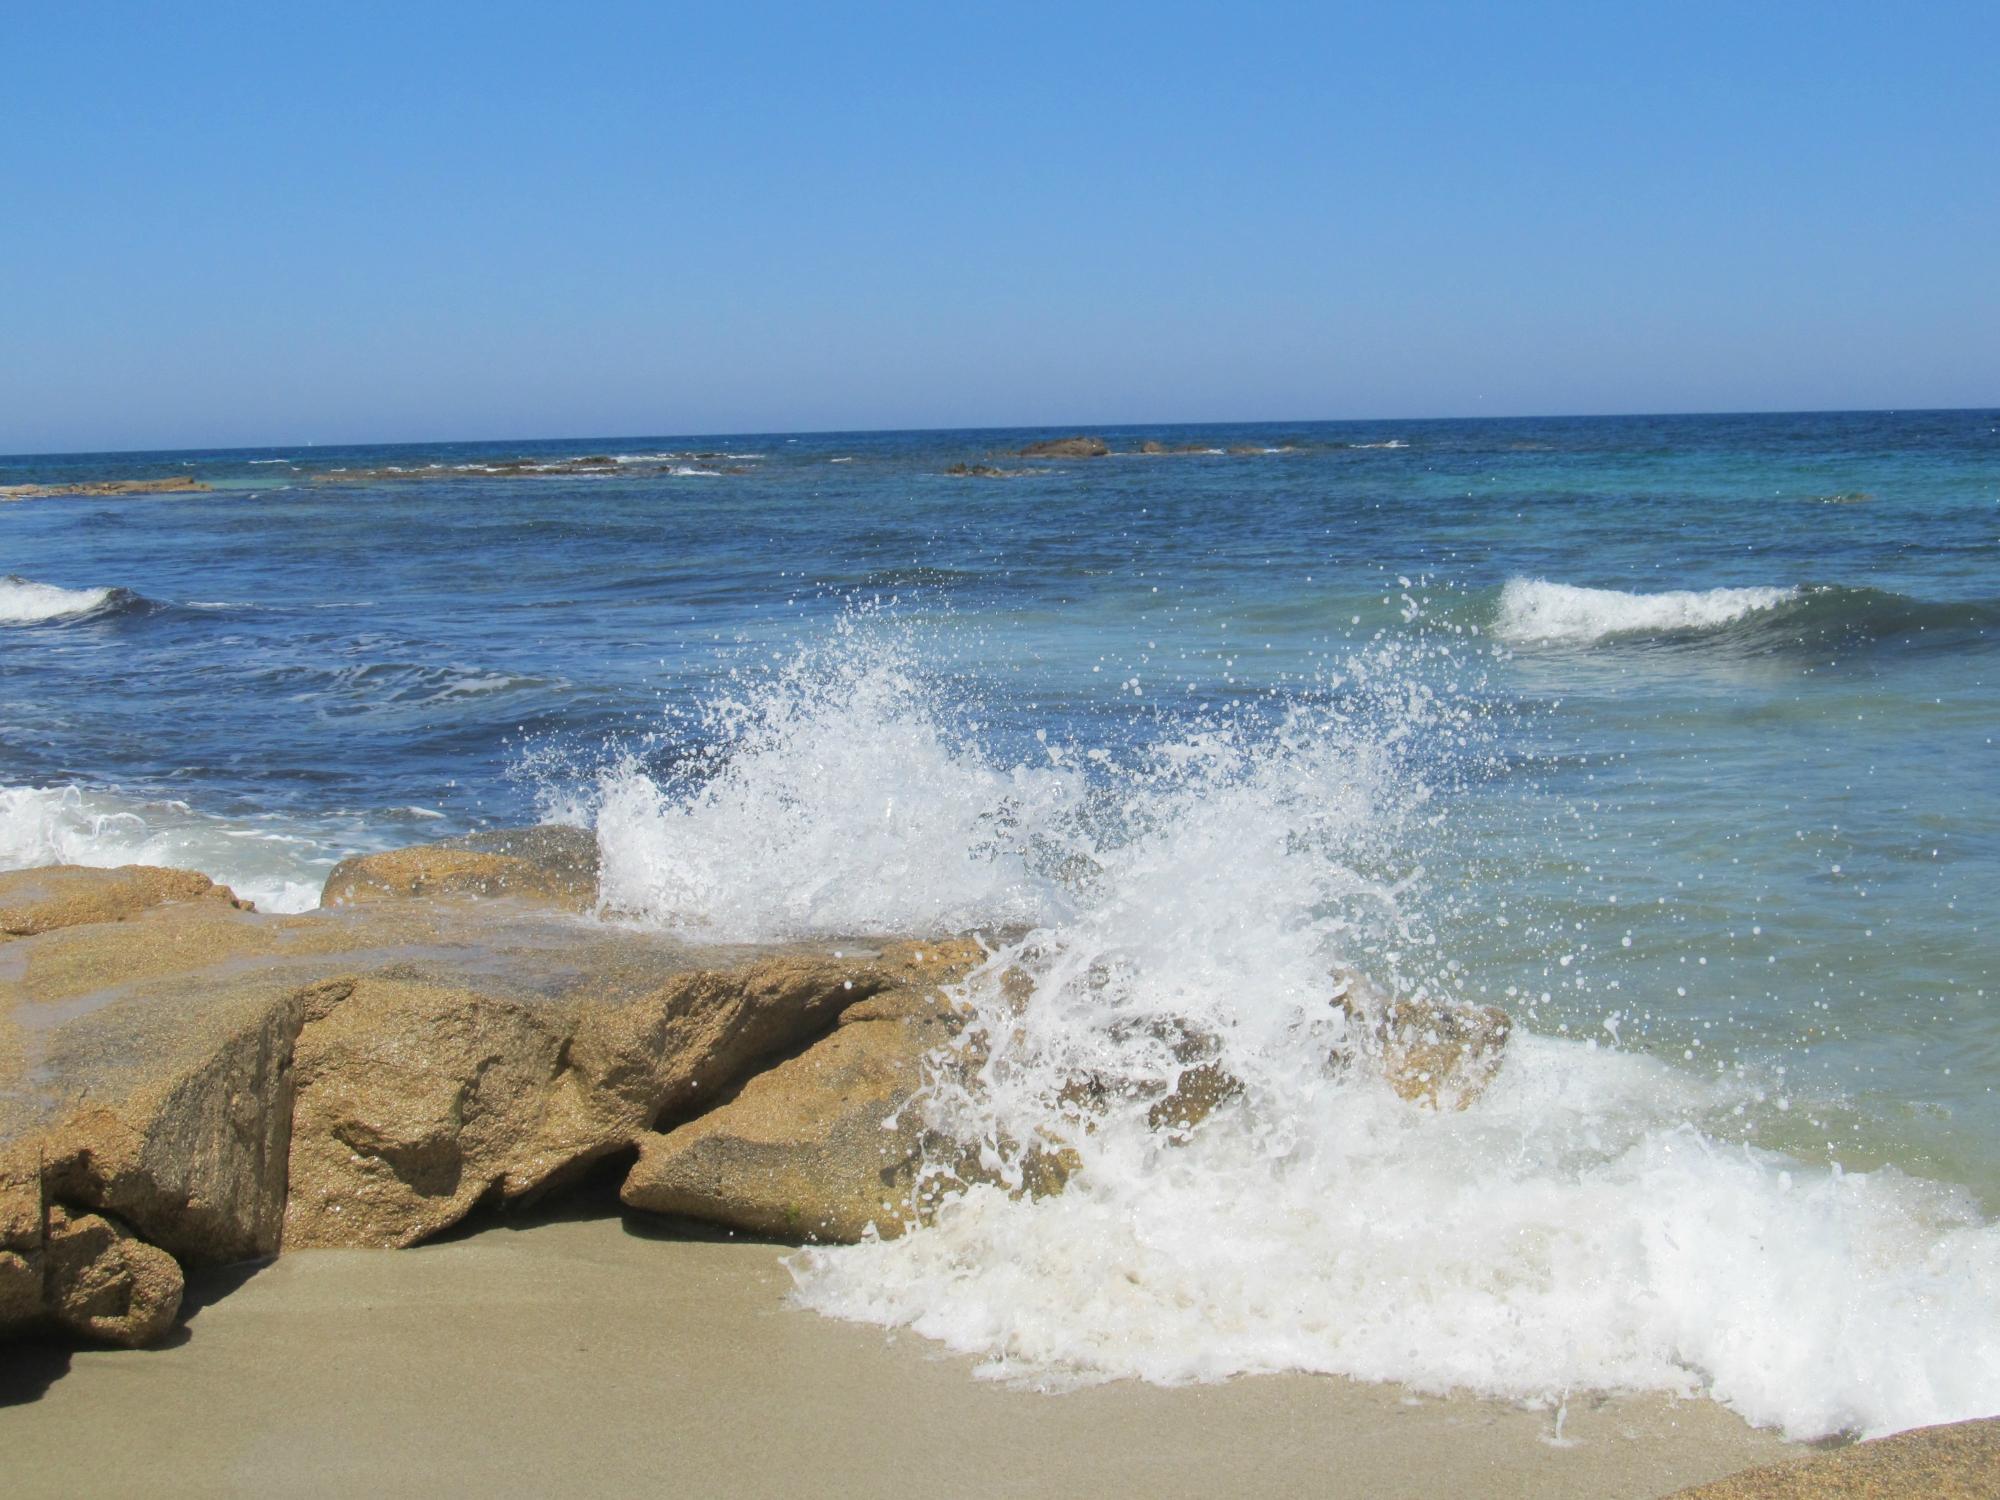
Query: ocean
[(1671, 736)]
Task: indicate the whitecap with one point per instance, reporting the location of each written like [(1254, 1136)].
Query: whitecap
[(25, 602), (1533, 610), (281, 868)]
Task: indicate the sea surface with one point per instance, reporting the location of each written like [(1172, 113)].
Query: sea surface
[(1673, 736)]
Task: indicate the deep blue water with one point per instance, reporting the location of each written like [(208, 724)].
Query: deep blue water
[(1791, 795)]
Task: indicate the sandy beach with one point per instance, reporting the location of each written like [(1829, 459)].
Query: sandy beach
[(594, 1353)]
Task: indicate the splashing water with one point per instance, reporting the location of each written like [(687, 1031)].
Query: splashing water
[(832, 798), (1182, 905)]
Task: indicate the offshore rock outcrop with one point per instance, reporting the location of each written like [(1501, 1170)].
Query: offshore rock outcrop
[(1069, 447), (172, 484), (597, 465)]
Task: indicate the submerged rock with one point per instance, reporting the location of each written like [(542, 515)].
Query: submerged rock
[(1431, 1052)]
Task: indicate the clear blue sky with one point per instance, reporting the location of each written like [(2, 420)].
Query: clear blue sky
[(283, 223)]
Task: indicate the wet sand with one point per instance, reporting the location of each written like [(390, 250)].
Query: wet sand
[(598, 1356)]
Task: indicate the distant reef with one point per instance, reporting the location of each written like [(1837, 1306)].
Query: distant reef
[(528, 467), (1069, 447), (173, 484), (1085, 446)]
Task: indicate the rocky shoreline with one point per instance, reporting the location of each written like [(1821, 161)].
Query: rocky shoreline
[(188, 1083), (185, 1081)]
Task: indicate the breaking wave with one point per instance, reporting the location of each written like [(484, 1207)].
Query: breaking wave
[(1595, 1219), (1535, 612), (25, 602), (281, 869)]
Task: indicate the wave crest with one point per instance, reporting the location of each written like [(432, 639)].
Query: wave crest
[(26, 602), (1811, 617), (1535, 611)]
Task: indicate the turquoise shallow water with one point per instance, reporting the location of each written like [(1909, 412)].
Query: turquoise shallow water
[(1700, 711)]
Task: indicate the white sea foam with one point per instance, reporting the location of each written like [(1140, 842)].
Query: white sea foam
[(25, 602), (1533, 610), (798, 792), (1583, 1224), (279, 868)]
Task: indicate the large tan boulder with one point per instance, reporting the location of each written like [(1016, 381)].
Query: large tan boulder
[(55, 896), (411, 1098), (418, 1100), (154, 1073), (553, 865), (1958, 1461)]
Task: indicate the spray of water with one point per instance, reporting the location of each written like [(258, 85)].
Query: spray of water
[(1175, 912)]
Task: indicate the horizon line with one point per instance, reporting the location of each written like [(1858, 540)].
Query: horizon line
[(1078, 428)]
